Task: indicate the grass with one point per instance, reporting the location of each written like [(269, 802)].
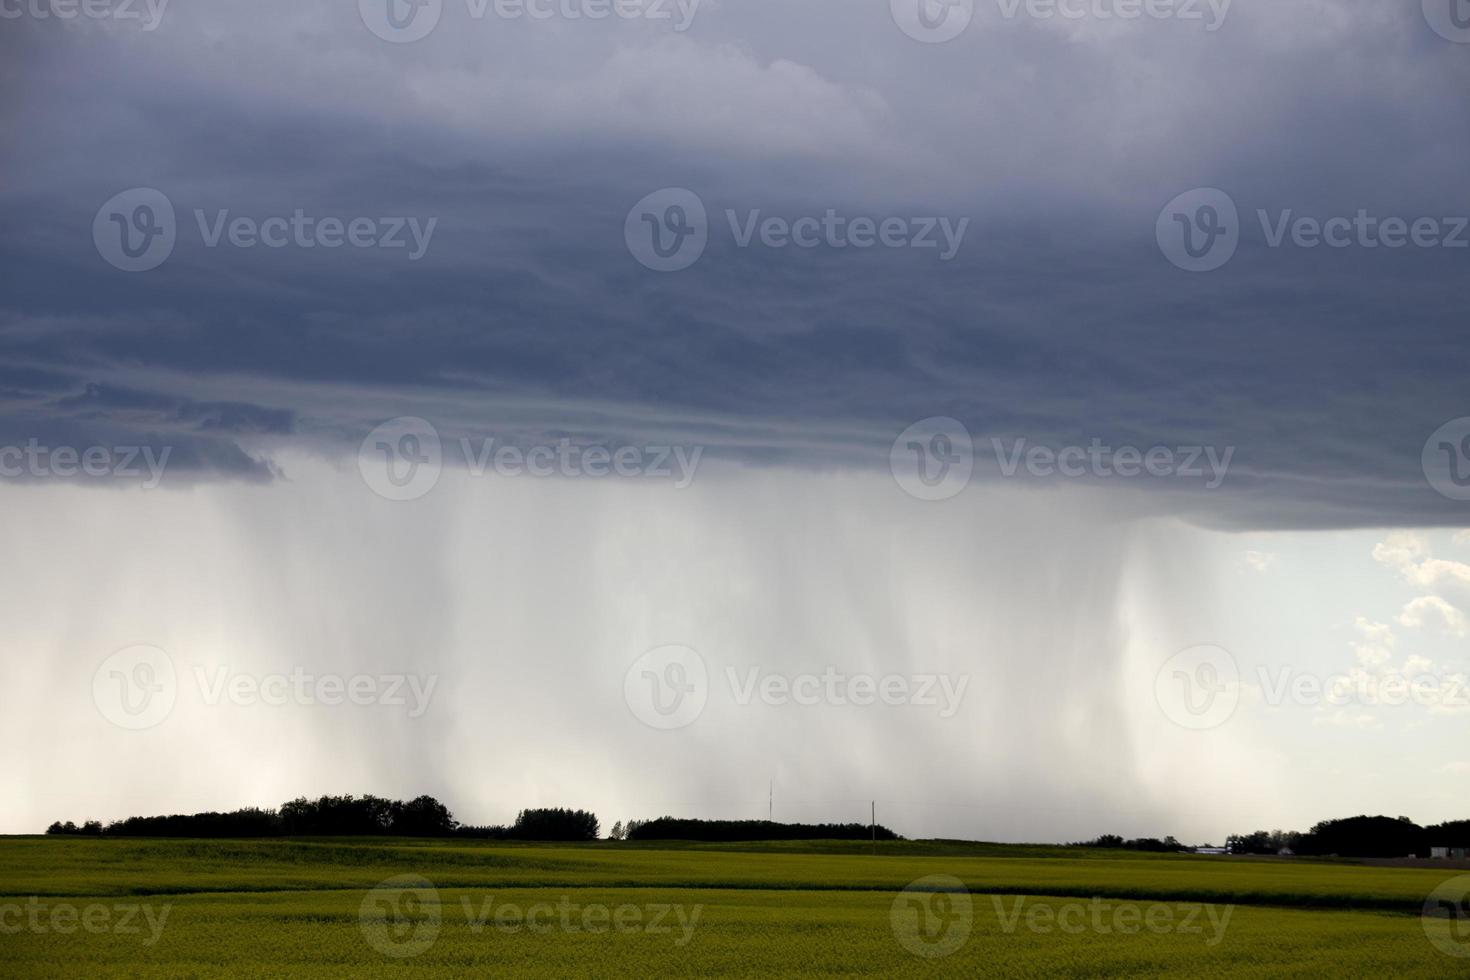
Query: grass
[(265, 908)]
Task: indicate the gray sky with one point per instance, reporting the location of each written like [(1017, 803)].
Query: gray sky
[(512, 158)]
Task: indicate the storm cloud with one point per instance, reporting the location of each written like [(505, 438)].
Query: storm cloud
[(527, 141)]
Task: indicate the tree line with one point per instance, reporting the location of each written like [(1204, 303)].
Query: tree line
[(344, 816), (424, 816), (1150, 844), (670, 828), (1361, 836)]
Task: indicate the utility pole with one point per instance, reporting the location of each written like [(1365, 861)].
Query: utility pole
[(873, 817), (771, 801)]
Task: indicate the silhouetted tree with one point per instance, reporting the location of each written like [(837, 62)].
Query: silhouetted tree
[(1454, 833), (422, 817), (1150, 844), (555, 824), (1255, 843), (1364, 836)]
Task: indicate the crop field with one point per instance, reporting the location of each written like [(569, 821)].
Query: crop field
[(381, 907)]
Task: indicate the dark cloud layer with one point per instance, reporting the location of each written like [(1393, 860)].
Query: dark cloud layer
[(1059, 321)]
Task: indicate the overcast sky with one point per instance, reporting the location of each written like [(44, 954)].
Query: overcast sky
[(239, 239)]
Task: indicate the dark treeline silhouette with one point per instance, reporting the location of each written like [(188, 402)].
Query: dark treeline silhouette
[(669, 828), (1151, 844), (1362, 836), (92, 828), (344, 816), (250, 822), (347, 816), (551, 824)]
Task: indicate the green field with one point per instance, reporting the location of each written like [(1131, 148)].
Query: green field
[(86, 907)]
